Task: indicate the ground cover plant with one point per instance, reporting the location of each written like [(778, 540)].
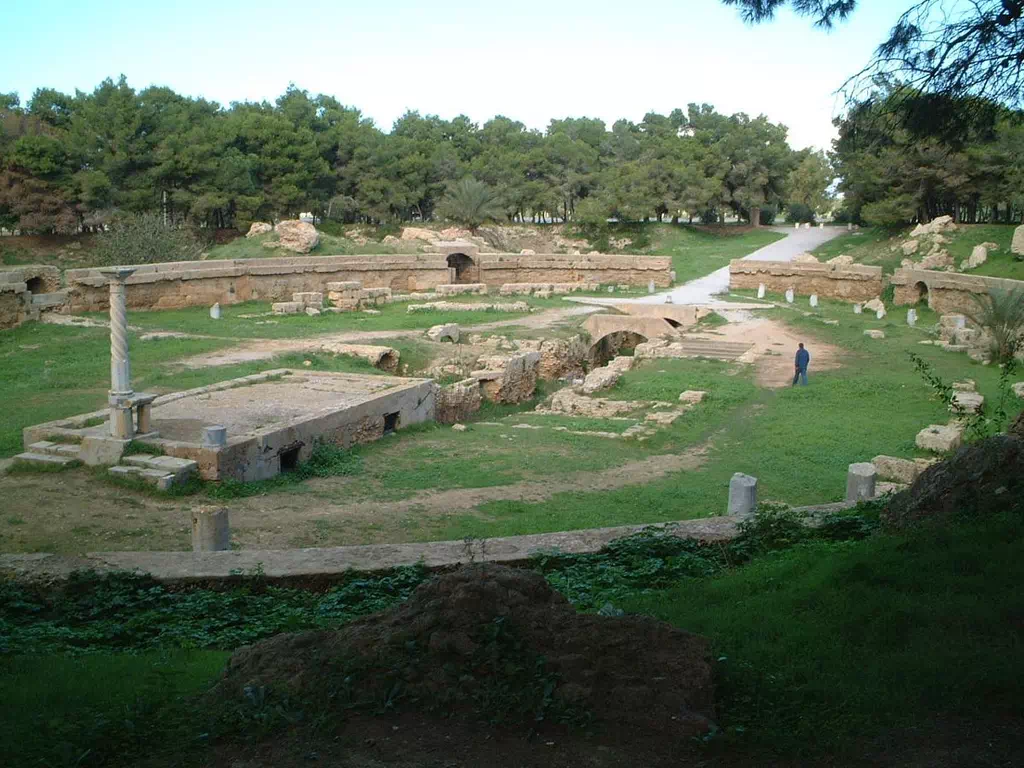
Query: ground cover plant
[(888, 635)]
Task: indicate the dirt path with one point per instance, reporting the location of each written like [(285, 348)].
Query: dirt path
[(264, 349), (70, 512)]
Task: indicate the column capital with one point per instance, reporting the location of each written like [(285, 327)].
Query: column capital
[(118, 273)]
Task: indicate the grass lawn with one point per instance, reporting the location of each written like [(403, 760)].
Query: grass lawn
[(797, 442), (827, 653), (872, 247), (698, 252), (825, 644)]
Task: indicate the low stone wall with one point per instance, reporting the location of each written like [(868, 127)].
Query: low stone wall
[(830, 281), (199, 283), (497, 269), (945, 292), (12, 303)]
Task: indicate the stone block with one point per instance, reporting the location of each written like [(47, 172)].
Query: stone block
[(896, 469), (742, 495), (1018, 389), (444, 332), (102, 451), (860, 481), (940, 438), (211, 530), (874, 334), (309, 299), (346, 285), (971, 402), (287, 307), (692, 396)]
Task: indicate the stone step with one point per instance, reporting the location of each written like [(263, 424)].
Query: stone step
[(44, 300), (720, 350), (166, 464), (70, 450), (161, 479), (46, 460)]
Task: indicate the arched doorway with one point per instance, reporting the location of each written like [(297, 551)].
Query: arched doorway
[(466, 270), (922, 292), (35, 285), (612, 345)]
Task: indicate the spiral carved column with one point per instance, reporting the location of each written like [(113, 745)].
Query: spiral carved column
[(120, 364)]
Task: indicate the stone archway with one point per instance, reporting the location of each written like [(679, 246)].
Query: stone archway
[(612, 345), (466, 270), (922, 293)]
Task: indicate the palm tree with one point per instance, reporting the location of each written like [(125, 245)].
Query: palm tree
[(1001, 313), (470, 203)]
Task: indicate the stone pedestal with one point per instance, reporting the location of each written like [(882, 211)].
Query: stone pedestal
[(211, 531), (215, 436), (860, 481), (742, 495)]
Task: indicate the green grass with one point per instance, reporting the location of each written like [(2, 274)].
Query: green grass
[(69, 373), (825, 643), (392, 317), (797, 442), (330, 245), (60, 711), (696, 252), (873, 247)]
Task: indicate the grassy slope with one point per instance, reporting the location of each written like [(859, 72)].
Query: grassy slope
[(873, 247), (826, 643), (696, 253), (798, 442), (826, 652)]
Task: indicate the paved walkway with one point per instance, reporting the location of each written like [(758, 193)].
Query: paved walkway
[(703, 289)]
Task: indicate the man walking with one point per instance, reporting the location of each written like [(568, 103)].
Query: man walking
[(803, 357)]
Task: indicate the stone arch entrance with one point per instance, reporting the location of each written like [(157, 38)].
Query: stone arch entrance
[(35, 285), (465, 269), (921, 289), (612, 345)]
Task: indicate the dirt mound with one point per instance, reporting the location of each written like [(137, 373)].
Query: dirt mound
[(497, 643), (979, 479)]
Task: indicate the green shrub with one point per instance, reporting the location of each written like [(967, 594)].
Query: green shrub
[(798, 212), (144, 239)]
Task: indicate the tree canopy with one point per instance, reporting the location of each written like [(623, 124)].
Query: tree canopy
[(946, 47), (70, 162)]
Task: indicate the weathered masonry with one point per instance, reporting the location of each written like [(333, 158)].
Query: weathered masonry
[(946, 292), (846, 283), (257, 426), (200, 283)]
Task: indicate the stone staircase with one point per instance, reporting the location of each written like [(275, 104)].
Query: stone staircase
[(47, 454), (712, 348), (163, 472)]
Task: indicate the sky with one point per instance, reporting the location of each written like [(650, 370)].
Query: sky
[(530, 61)]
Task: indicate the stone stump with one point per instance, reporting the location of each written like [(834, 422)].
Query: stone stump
[(211, 531), (860, 481), (760, 291), (789, 295), (742, 495)]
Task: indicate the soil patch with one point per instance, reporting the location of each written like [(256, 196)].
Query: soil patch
[(495, 643)]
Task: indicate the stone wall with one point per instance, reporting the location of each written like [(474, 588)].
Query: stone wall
[(12, 302), (945, 292), (199, 283), (829, 281), (497, 269)]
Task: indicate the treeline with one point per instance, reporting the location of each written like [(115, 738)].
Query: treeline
[(69, 163), (905, 157)]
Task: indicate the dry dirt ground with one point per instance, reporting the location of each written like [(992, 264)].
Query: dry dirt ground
[(74, 511)]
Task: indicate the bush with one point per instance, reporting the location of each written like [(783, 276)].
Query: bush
[(798, 212), (768, 214), (143, 239), (843, 216), (892, 213)]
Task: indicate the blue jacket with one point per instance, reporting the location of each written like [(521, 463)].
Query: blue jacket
[(803, 357)]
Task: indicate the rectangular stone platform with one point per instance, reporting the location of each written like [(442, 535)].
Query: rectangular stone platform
[(273, 420)]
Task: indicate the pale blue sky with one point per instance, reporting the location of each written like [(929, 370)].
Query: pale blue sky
[(529, 60)]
